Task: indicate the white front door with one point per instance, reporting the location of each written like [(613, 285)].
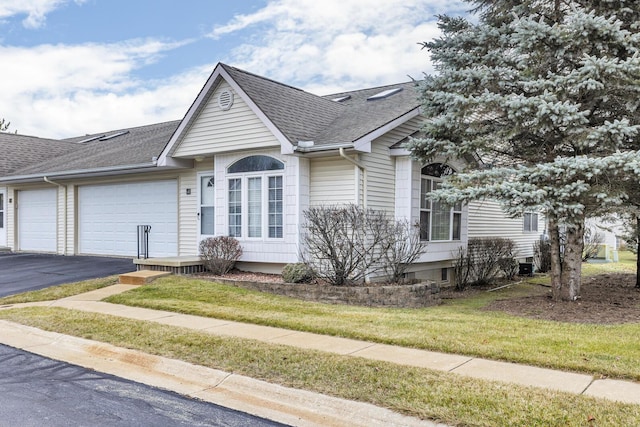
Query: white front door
[(206, 206), (3, 217)]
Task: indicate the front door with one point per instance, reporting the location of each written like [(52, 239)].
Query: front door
[(3, 218), (206, 208)]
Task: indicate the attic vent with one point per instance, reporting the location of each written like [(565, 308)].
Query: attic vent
[(341, 98), (384, 94), (225, 100), (114, 135)]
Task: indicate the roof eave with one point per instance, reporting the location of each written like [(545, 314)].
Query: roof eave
[(364, 142), (88, 173)]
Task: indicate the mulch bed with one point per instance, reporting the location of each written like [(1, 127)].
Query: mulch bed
[(605, 299)]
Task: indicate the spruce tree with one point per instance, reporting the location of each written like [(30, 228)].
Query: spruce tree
[(544, 95)]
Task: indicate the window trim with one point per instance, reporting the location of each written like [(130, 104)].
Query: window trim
[(531, 221), (264, 175), (455, 212)]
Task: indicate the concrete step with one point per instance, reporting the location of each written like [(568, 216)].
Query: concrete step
[(141, 277)]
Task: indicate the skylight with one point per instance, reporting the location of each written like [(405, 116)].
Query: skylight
[(384, 94), (341, 98), (114, 135), (91, 138)]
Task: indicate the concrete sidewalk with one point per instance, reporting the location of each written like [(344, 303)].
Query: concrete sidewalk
[(281, 404)]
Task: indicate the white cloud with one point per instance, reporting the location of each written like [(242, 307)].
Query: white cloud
[(331, 45), (62, 91), (36, 10)]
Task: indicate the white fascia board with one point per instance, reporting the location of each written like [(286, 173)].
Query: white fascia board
[(399, 152), (220, 73), (364, 143)]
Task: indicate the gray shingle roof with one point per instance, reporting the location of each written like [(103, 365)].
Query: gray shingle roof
[(299, 115), (302, 116), (137, 146), (19, 151)]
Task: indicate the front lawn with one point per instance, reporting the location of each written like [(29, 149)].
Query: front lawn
[(459, 326), (423, 393)]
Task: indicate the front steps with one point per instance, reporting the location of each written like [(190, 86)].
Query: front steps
[(141, 277)]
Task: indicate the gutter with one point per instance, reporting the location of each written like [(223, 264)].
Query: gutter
[(325, 147), (364, 175), (64, 240), (103, 171)]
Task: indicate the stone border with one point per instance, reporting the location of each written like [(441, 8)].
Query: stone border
[(423, 294)]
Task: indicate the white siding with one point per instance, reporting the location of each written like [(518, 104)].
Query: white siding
[(332, 181), (217, 131), (262, 250), (381, 167), (188, 209), (486, 219)]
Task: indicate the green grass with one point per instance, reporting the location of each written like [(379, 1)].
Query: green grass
[(458, 326), (62, 291), (423, 393)]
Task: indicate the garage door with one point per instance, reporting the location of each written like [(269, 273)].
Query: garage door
[(37, 220), (108, 216)]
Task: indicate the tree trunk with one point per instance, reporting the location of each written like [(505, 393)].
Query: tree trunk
[(556, 258), (638, 251), (572, 262)]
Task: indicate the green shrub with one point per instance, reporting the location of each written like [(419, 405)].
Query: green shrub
[(297, 273)]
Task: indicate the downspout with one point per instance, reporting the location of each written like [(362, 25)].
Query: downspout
[(364, 174), (64, 240)]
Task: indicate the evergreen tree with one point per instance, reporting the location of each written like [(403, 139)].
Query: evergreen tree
[(4, 125), (545, 94)]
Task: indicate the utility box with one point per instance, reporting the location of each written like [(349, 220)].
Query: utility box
[(526, 269)]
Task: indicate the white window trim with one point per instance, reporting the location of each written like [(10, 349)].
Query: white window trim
[(244, 187), (531, 222), (452, 213)]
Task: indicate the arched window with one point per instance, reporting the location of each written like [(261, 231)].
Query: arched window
[(256, 197), (438, 221), (256, 164)]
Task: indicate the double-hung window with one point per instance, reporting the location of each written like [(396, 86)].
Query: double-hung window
[(256, 197), (530, 222), (438, 221)]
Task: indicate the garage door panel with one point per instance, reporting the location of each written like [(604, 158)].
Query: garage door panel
[(109, 216), (37, 225)]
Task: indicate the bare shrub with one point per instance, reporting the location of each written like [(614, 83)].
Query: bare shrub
[(403, 248), (219, 254), (461, 269), (346, 244), (485, 254), (592, 241), (542, 255), (509, 267)]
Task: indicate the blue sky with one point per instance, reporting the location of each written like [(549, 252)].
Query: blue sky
[(71, 67)]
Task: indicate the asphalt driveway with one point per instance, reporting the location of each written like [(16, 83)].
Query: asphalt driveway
[(27, 272)]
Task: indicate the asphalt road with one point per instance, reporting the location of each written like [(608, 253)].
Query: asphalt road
[(36, 391), (27, 272)]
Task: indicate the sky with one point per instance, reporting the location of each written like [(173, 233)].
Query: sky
[(75, 67)]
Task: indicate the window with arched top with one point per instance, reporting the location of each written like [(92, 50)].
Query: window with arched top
[(438, 222), (256, 185), (255, 164)]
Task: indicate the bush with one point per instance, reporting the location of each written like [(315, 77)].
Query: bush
[(542, 255), (297, 273), (219, 254), (461, 269), (346, 244), (509, 267), (485, 254)]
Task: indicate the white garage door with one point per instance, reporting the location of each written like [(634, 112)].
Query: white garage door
[(108, 216), (37, 220)]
